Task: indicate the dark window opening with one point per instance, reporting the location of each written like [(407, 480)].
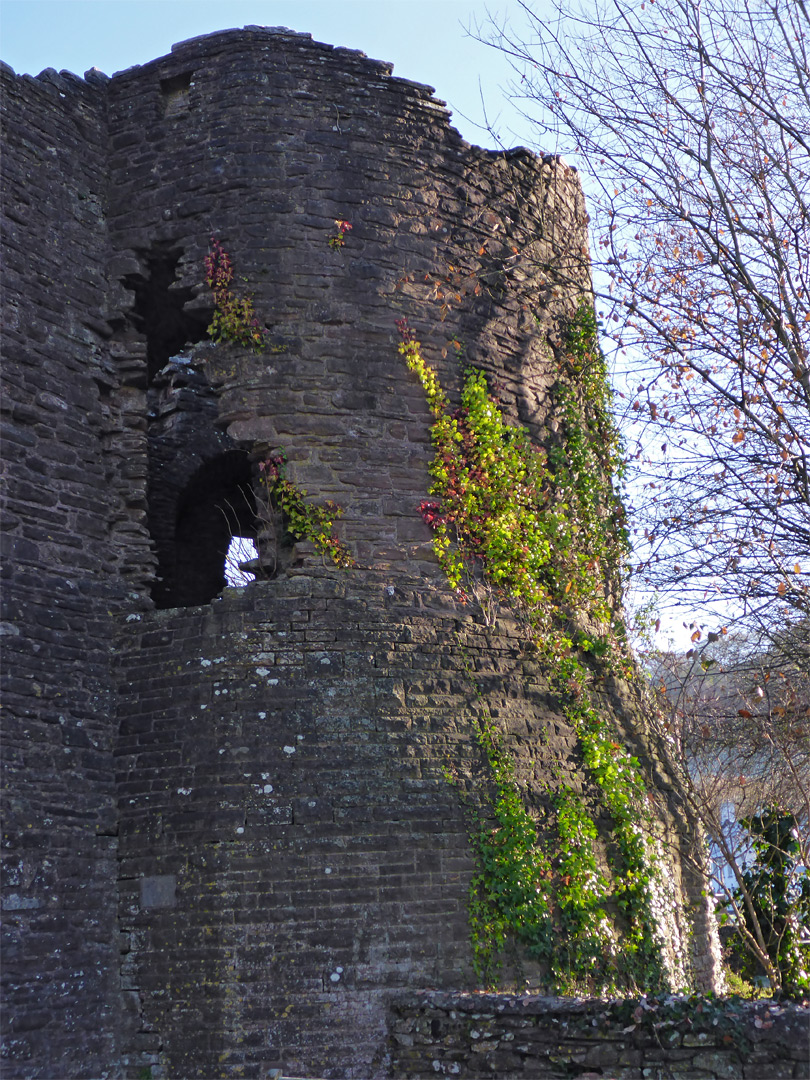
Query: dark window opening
[(176, 93), (158, 311), (215, 506)]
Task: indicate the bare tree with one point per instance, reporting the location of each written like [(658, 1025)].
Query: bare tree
[(691, 121), (740, 722)]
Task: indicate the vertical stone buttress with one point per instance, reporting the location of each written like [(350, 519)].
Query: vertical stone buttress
[(61, 585), (289, 848)]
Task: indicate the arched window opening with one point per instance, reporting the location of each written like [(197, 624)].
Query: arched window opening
[(216, 505)]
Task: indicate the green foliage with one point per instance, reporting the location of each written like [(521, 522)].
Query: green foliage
[(305, 521), (339, 240), (234, 319), (589, 454), (616, 774), (556, 903), (737, 986), (510, 892), (542, 531), (586, 945), (779, 889), (665, 1017), (535, 529)]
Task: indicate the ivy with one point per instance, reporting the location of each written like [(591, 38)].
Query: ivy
[(305, 521), (555, 902), (338, 241), (587, 943), (489, 494), (617, 776), (779, 888), (234, 320), (542, 531), (530, 529), (588, 455), (510, 893)]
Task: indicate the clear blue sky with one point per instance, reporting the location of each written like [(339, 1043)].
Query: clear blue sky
[(426, 40)]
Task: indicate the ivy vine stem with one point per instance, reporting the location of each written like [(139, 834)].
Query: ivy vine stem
[(234, 320), (542, 532), (305, 521)]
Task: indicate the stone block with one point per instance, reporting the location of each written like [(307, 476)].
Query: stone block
[(158, 891)]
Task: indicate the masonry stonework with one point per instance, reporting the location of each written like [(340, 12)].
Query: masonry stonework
[(229, 834), (473, 1035)]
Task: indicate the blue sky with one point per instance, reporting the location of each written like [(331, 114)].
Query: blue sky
[(426, 40)]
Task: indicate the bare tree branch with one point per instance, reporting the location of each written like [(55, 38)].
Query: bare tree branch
[(691, 121)]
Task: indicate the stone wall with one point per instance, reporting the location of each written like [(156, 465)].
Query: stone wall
[(466, 1035), (270, 139), (291, 850), (60, 584), (288, 777), (268, 766)]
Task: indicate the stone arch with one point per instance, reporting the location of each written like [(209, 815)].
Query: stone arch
[(215, 505)]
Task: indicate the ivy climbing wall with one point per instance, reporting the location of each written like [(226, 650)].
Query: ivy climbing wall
[(242, 818), (292, 788)]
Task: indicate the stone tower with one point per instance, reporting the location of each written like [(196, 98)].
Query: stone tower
[(229, 831)]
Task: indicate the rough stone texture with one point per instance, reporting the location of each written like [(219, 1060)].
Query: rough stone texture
[(266, 769), (60, 586), (282, 753), (466, 1035)]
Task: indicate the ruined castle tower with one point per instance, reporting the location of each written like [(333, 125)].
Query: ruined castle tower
[(229, 831)]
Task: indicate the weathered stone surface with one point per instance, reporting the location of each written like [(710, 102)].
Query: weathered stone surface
[(228, 832), (60, 958), (446, 1034)]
